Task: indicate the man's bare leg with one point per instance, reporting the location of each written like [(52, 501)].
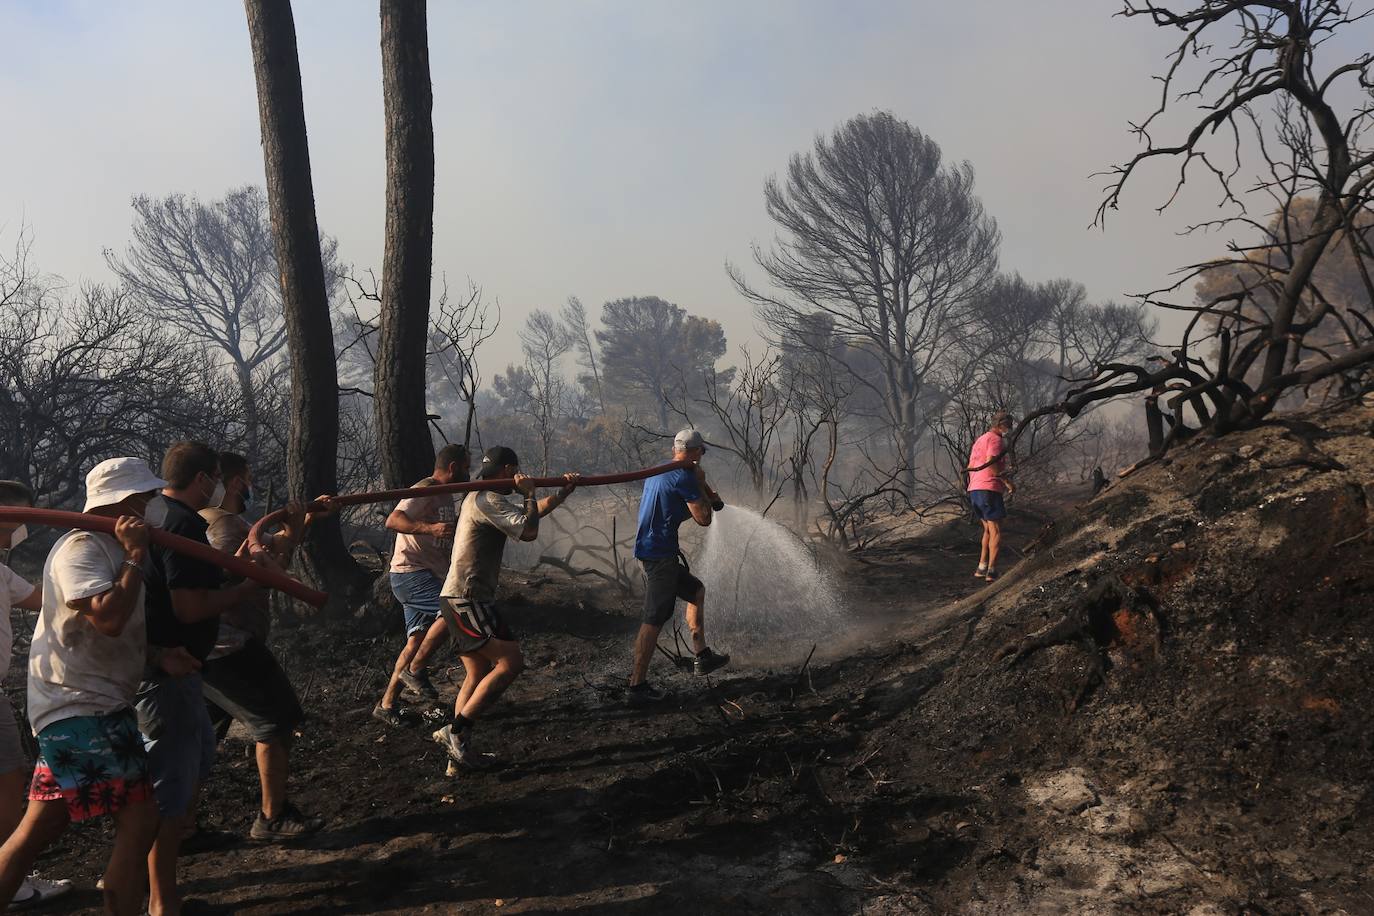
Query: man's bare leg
[(983, 551), (696, 621), (475, 669), (42, 824), (274, 763), (393, 686), (136, 827), (434, 638), (644, 652), (994, 542), (12, 785), (506, 662), (164, 899)]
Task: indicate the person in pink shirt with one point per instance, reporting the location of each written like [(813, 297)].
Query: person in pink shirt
[(987, 481)]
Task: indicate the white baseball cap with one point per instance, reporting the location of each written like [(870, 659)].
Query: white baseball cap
[(688, 438), (116, 479)]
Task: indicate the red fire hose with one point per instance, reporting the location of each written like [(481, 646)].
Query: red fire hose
[(384, 496), (249, 570), (53, 518)]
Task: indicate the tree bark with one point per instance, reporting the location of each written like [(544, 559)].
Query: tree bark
[(407, 452), (312, 451)]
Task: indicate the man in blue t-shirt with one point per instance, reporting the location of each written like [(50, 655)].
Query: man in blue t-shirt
[(669, 500)]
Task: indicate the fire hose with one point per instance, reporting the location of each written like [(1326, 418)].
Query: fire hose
[(54, 518), (247, 569), (439, 489)]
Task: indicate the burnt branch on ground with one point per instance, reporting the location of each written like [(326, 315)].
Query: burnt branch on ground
[(1090, 622)]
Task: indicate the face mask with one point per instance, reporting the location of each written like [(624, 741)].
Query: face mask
[(155, 515), (217, 494)]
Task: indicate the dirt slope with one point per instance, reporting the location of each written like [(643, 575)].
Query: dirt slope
[(1190, 732)]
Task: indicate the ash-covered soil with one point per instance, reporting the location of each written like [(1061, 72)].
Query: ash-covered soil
[(1165, 708)]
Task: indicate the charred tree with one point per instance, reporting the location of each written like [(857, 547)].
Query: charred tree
[(1277, 330), (407, 451), (312, 450)]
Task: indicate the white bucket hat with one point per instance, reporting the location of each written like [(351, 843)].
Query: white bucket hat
[(117, 479)]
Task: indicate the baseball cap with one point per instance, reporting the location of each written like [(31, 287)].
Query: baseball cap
[(116, 479), (688, 438), (496, 457)]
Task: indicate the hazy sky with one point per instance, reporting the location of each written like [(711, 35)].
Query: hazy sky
[(590, 148)]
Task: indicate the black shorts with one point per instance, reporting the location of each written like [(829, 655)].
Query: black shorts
[(250, 686), (665, 581), (474, 623)]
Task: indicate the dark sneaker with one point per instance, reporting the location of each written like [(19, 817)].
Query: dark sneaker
[(990, 575), (709, 660), (460, 751), (645, 694), (421, 684), (288, 825), (36, 891), (393, 716)]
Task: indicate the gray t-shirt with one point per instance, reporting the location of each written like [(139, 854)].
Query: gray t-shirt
[(486, 521), (74, 669)]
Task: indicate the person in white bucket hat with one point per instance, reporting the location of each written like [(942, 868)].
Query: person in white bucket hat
[(85, 664)]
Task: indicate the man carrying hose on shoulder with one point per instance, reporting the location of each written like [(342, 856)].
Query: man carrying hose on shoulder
[(85, 663), (424, 527), (668, 501), (491, 655)]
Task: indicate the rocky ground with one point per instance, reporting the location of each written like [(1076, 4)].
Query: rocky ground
[(1164, 708)]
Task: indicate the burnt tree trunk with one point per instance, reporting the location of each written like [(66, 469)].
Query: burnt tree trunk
[(312, 451), (407, 452)]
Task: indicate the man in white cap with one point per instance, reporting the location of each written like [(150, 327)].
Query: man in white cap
[(15, 769), (85, 664), (668, 501)]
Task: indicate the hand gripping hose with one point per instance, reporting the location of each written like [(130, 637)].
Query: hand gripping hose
[(54, 518), (384, 496), (247, 569)]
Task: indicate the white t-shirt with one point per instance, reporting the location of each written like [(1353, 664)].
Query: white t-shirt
[(74, 669), (486, 521), (13, 589)]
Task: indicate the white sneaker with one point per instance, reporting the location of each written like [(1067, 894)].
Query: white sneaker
[(459, 747), (36, 890)]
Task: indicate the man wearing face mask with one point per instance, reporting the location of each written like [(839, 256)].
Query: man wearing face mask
[(185, 600), (85, 662), (15, 770), (241, 675)]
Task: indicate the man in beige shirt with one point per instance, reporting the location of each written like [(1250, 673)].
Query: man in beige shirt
[(424, 539), (491, 655)]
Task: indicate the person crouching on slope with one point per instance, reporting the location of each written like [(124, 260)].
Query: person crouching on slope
[(491, 655)]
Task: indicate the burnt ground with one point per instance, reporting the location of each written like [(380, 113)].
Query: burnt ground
[(1165, 708)]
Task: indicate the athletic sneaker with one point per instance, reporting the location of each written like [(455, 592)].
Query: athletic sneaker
[(288, 825), (36, 890), (393, 716), (460, 750), (709, 660), (644, 694), (420, 683)]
